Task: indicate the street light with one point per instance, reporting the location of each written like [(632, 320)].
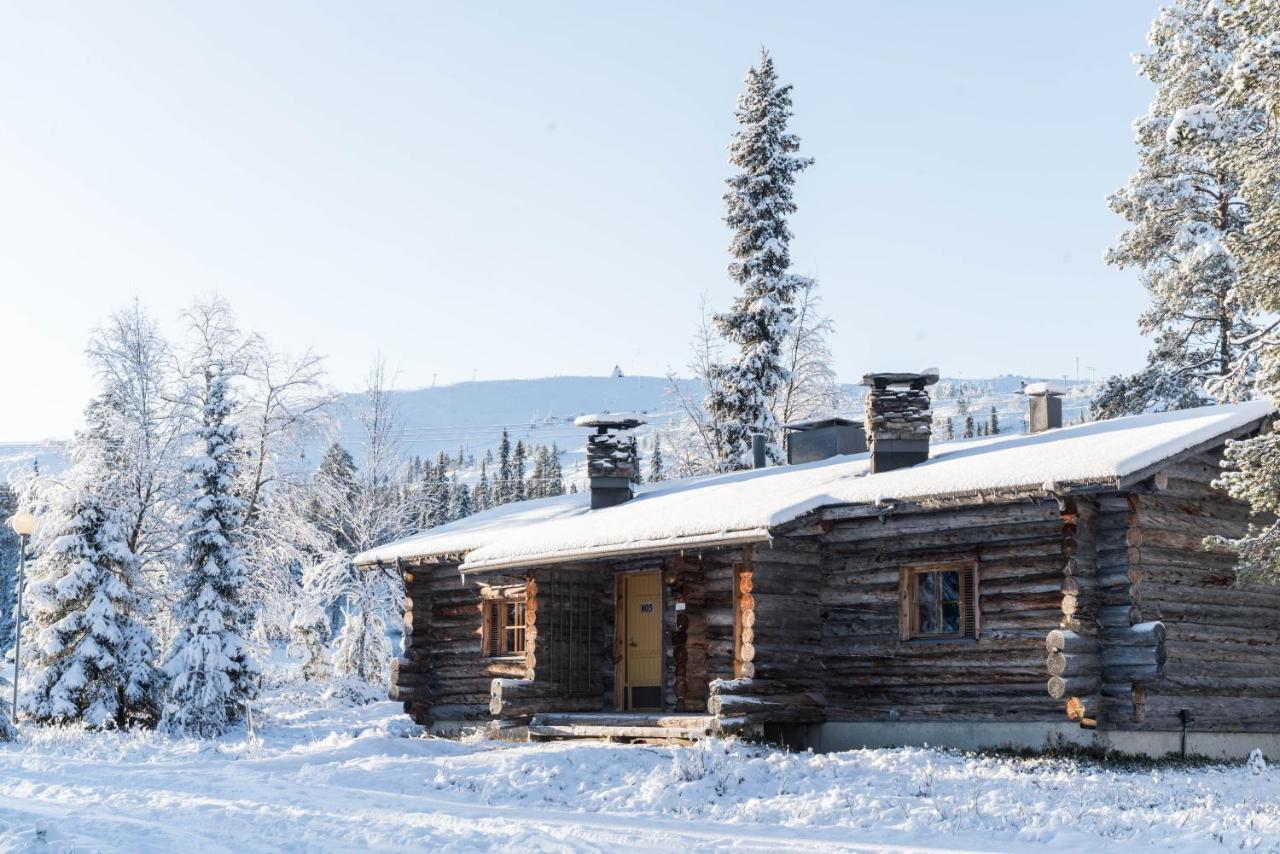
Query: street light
[(24, 525)]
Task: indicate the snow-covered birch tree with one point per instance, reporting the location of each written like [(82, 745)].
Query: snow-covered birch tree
[(1185, 209), (758, 203)]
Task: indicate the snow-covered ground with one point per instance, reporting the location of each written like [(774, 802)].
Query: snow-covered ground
[(326, 774)]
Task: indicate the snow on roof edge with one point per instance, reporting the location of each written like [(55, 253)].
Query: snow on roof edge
[(479, 533), (718, 540)]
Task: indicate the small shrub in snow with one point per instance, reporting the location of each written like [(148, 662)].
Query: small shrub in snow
[(361, 650), (310, 629)]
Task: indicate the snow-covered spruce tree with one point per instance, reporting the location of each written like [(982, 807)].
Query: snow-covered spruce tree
[(950, 432), (1184, 209), (517, 471), (993, 422), (503, 488), (758, 203), (212, 673), (968, 427), (91, 659), (656, 472), (480, 495)]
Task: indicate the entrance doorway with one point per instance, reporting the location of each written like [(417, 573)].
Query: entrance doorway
[(642, 641)]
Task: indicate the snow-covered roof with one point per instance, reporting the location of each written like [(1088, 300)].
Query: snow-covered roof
[(746, 506)]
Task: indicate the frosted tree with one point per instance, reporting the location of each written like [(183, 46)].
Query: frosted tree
[(758, 203), (1251, 87), (8, 566), (949, 432), (811, 388), (460, 500), (968, 427), (518, 460), (656, 471), (357, 510), (1185, 210), (993, 422), (212, 675), (503, 488), (480, 496), (91, 659), (140, 421), (697, 442)]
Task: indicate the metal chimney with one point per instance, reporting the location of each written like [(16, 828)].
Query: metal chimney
[(1045, 406), (612, 465), (899, 418), (822, 438)]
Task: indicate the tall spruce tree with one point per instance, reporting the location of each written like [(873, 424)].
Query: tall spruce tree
[(518, 460), (504, 488), (1185, 211), (993, 422), (758, 203), (212, 673), (91, 657), (656, 472)]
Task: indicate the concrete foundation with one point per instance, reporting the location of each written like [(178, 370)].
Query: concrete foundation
[(1035, 735)]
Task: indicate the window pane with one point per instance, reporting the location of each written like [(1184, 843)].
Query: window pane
[(928, 619), (950, 618), (925, 588), (949, 586)]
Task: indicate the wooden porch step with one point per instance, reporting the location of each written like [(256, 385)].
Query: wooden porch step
[(636, 727)]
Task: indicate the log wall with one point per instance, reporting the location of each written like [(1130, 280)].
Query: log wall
[(442, 674), (870, 673), (1222, 639)]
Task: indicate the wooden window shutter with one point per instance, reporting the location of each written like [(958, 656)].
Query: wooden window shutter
[(969, 600), (904, 605), (493, 627)]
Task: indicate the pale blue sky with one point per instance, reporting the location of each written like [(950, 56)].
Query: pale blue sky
[(527, 189)]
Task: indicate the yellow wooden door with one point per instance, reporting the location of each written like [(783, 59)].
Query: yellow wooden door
[(643, 637)]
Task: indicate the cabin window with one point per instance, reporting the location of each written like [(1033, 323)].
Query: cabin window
[(939, 601), (504, 626)]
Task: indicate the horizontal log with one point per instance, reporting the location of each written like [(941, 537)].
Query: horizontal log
[(1060, 688)]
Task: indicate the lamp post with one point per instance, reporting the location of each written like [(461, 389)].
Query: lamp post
[(24, 525)]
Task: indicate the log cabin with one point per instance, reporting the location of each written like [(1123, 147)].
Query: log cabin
[(1061, 587)]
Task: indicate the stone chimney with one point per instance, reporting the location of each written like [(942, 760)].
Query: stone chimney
[(899, 418), (1046, 406), (613, 463)]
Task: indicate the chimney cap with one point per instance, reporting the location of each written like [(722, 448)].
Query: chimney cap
[(1044, 388), (928, 376), (816, 423), (609, 421)]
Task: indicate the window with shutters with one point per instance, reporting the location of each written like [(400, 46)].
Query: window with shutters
[(504, 626), (939, 601)]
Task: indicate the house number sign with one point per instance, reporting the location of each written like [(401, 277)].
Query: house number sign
[(646, 607)]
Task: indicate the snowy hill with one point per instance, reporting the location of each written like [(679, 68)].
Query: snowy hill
[(472, 415), (19, 459)]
